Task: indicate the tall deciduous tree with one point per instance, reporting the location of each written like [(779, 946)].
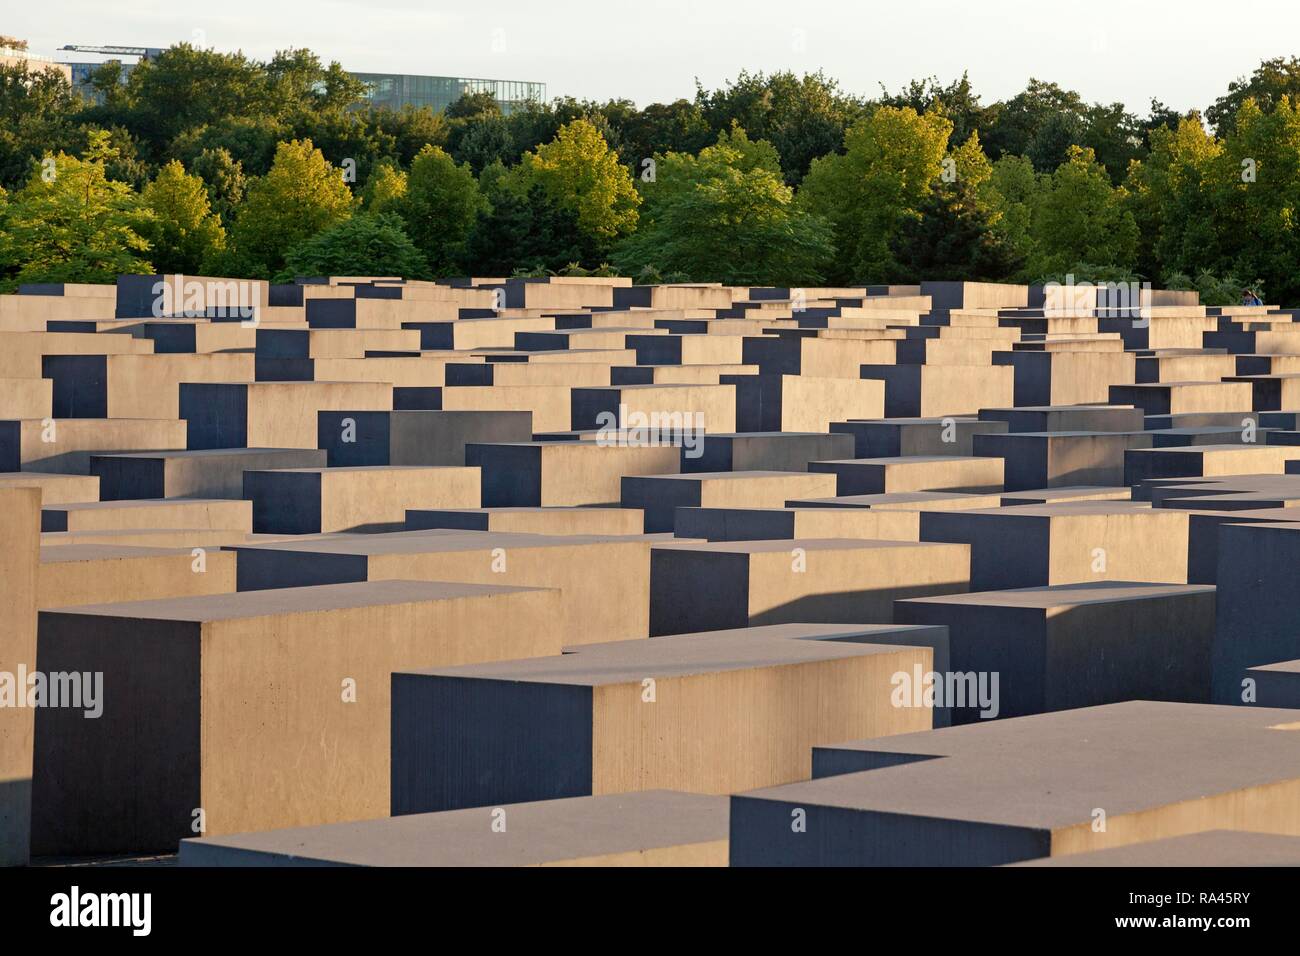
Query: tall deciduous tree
[(726, 215), (71, 223), (955, 236), (439, 207), (185, 232), (364, 244), (223, 179), (1171, 194), (1257, 197), (891, 163), (385, 189), (1081, 217), (301, 195), (579, 173)]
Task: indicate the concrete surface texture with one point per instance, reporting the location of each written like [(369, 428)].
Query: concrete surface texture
[(954, 570)]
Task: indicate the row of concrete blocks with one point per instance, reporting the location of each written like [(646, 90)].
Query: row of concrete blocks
[(1100, 786), (1052, 648)]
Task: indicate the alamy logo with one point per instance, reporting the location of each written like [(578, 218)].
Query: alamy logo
[(74, 908), (83, 690), (952, 689), (178, 296), (1107, 300), (636, 429)]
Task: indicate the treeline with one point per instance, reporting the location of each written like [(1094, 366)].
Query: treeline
[(209, 162)]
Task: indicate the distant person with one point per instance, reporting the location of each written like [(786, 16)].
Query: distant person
[(1248, 297)]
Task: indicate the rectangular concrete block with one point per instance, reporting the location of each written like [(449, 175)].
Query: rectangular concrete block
[(1217, 848), (1067, 378), (545, 474), (219, 701), (728, 584), (135, 386), (20, 511), (604, 581), (102, 573), (1257, 605), (649, 828), (708, 407), (64, 446), (1074, 645), (659, 496), (893, 438), (763, 451), (1141, 464), (415, 437), (793, 403), (26, 398), (365, 498), (55, 489), (204, 473), (874, 476), (1061, 459), (1172, 398), (580, 723), (270, 414), (930, 391), (1078, 418), (577, 520), (1004, 791), (765, 524), (1070, 543), (149, 513)]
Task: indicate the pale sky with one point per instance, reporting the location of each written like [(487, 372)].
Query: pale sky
[(1183, 53)]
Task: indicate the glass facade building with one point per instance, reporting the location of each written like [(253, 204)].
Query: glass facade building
[(394, 90), (391, 90)]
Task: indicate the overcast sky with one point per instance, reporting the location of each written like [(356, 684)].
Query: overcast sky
[(1183, 53)]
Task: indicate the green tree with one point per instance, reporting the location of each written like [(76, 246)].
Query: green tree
[(410, 128), (1171, 194), (803, 117), (250, 141), (1256, 196), (1270, 81), (71, 223), (726, 215), (579, 173), (481, 141), (385, 189), (891, 162), (955, 235), (184, 88), (223, 179), (1012, 193), (1017, 124), (184, 232), (439, 208), (362, 245), (678, 127), (957, 101), (38, 116), (527, 232), (1081, 217), (301, 195)]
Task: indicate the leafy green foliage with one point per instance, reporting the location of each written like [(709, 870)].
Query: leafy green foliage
[(579, 173), (727, 216), (184, 231), (891, 162), (440, 204), (301, 195), (71, 223), (363, 245)]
